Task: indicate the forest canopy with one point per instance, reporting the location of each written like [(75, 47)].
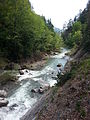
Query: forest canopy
[(23, 33), (77, 33)]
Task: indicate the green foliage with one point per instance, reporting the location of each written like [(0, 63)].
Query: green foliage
[(78, 33), (22, 32), (74, 37), (77, 26)]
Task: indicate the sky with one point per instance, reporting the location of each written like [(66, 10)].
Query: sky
[(60, 11)]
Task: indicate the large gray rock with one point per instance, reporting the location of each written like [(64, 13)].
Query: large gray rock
[(3, 102), (3, 93)]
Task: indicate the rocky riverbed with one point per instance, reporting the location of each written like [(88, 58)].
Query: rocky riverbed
[(20, 97)]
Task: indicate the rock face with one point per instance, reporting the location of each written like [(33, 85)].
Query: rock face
[(3, 102), (3, 93)]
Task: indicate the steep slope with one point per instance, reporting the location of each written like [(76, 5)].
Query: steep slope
[(72, 100)]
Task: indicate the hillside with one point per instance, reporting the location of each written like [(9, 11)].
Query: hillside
[(70, 100)]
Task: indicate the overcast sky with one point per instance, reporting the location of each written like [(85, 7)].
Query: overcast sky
[(58, 10)]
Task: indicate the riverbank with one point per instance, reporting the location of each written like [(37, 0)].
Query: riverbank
[(71, 97)]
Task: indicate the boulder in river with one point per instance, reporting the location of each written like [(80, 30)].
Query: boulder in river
[(3, 93), (3, 102), (14, 105), (59, 65), (41, 90), (34, 90), (21, 72)]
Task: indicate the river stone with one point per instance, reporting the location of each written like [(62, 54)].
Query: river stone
[(21, 72), (14, 105), (3, 102), (59, 65), (3, 93), (41, 90), (34, 90)]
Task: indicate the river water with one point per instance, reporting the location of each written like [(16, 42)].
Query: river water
[(22, 99)]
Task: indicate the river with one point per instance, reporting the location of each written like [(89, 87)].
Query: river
[(22, 98)]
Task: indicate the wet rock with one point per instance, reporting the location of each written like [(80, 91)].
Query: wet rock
[(54, 53), (67, 53), (14, 105), (27, 71), (52, 72), (11, 108), (59, 65), (3, 102), (41, 90), (34, 90), (21, 72), (3, 93), (62, 73)]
